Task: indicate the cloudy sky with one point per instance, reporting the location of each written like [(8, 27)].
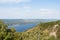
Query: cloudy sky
[(29, 9)]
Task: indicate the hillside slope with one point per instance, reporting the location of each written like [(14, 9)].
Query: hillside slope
[(46, 31), (43, 31)]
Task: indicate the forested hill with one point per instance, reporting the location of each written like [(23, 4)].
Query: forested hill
[(43, 31)]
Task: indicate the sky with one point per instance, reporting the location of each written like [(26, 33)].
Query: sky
[(29, 9)]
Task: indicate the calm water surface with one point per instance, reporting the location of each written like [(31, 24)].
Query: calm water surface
[(23, 27)]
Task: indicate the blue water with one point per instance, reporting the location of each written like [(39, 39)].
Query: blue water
[(23, 27), (24, 24)]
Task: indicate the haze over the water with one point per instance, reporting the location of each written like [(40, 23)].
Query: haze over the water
[(27, 20), (24, 24)]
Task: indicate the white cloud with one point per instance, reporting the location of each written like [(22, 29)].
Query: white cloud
[(27, 8), (22, 13), (17, 1), (49, 11), (13, 13), (46, 14)]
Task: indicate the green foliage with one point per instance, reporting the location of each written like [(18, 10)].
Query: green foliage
[(37, 33), (5, 34)]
